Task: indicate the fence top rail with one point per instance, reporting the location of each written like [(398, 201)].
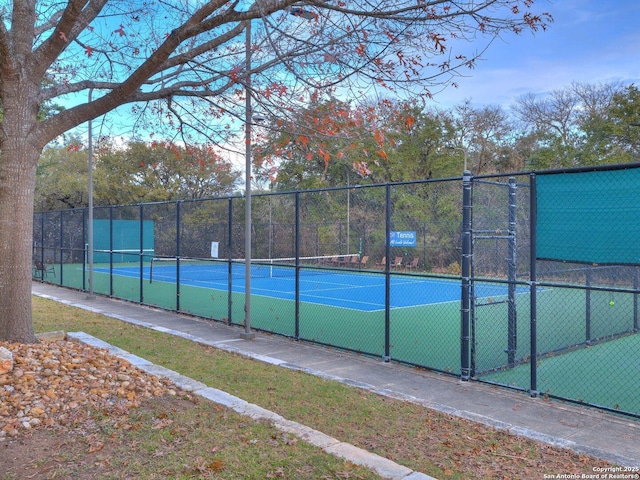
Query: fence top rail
[(592, 168), (499, 184)]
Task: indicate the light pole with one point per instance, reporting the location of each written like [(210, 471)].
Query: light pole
[(466, 154), (348, 214), (247, 334), (90, 229)]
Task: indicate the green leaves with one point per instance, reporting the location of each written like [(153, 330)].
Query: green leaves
[(157, 171)]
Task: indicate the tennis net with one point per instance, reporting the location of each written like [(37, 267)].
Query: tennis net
[(194, 269), (121, 256)]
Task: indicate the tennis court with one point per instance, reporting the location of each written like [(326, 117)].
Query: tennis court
[(575, 308), (347, 289), (345, 308), (337, 306)]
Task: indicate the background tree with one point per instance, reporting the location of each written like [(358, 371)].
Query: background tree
[(62, 177), (144, 173), (580, 125), (160, 171), (185, 64), (611, 130), (490, 139), (336, 143), (315, 147), (418, 142), (333, 143), (553, 120)]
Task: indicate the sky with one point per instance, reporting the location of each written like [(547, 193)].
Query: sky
[(590, 42)]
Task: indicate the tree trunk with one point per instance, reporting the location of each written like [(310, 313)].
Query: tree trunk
[(17, 183)]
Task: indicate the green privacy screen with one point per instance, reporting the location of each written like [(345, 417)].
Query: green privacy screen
[(124, 237), (589, 217)]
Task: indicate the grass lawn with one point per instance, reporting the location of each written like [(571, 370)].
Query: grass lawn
[(423, 440)]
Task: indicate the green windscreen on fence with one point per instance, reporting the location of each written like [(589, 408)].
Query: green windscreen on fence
[(589, 217), (124, 237)]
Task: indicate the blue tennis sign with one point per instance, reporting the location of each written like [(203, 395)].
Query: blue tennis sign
[(402, 239)]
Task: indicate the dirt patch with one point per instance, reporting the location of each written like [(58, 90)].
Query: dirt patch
[(77, 445), (48, 403)]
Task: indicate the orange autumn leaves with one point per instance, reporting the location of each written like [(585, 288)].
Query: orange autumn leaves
[(332, 131)]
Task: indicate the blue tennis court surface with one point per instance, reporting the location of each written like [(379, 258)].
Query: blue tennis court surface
[(363, 291)]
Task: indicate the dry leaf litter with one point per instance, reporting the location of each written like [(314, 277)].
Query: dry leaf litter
[(53, 382)]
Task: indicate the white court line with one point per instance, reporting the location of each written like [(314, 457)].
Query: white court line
[(311, 293)]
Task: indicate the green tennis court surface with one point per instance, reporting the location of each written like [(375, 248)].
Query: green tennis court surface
[(578, 367), (346, 309)]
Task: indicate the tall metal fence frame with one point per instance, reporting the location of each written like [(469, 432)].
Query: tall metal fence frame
[(478, 232)]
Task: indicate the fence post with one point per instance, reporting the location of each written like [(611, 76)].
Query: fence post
[(465, 311), (636, 282), (178, 203), (587, 306), (111, 251), (42, 237), (230, 265), (533, 354), (297, 265), (141, 252), (62, 247), (387, 276), (512, 342), (85, 254)]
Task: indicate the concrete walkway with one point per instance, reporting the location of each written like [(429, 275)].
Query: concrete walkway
[(583, 430)]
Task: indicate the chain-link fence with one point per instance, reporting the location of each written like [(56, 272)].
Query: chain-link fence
[(473, 277), (563, 246)]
